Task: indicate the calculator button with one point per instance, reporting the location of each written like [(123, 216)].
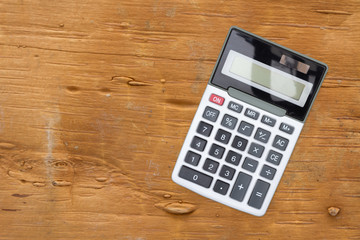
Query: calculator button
[(216, 151), (235, 107), (192, 158), (274, 157), (240, 187), (286, 128), (268, 172), (280, 142), (251, 114), (198, 143), (239, 143), (204, 129), (221, 187), (223, 136), (195, 176), (211, 114), (227, 172), (217, 99), (233, 158), (262, 135), (250, 164), (245, 128), (210, 165), (229, 121), (268, 121), (258, 195), (256, 150)]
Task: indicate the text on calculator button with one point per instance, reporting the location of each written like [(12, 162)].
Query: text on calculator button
[(235, 107), (217, 99), (286, 128), (195, 176), (274, 157), (268, 121), (251, 114), (221, 187), (211, 114), (280, 142), (259, 193), (268, 172), (240, 187), (256, 150)]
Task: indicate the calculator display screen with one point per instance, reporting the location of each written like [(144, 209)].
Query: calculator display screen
[(255, 66), (266, 78)]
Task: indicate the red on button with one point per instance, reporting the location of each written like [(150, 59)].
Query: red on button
[(216, 99)]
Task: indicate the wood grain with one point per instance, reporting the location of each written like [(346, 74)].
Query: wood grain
[(97, 97)]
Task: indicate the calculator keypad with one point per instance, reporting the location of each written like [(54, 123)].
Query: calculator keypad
[(236, 153)]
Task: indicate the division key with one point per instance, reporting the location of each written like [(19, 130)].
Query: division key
[(195, 176)]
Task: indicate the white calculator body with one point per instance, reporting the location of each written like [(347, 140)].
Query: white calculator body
[(248, 122)]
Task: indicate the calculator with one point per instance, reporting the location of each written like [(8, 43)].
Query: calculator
[(248, 122)]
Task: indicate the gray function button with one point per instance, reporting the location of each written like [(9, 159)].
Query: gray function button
[(280, 143), (240, 187), (268, 121), (245, 128), (235, 107), (251, 114), (195, 176), (256, 150), (274, 157), (286, 128), (204, 129), (211, 114), (198, 143), (210, 165), (259, 193), (250, 164), (192, 158), (221, 187), (262, 135), (268, 172), (229, 121), (239, 143)]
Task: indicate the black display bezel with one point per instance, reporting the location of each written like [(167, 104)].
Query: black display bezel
[(270, 54)]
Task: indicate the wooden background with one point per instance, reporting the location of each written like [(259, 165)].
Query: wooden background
[(97, 97)]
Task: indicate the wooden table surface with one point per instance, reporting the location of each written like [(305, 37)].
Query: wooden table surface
[(97, 97)]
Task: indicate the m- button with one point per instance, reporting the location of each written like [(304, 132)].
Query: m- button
[(268, 121)]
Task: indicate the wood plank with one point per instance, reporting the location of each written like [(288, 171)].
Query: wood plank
[(97, 97)]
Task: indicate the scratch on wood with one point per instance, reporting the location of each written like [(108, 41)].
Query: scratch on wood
[(210, 14), (39, 184), (10, 210), (333, 12), (177, 208), (5, 145), (101, 179), (20, 195), (61, 183), (305, 26), (129, 80), (296, 222)]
